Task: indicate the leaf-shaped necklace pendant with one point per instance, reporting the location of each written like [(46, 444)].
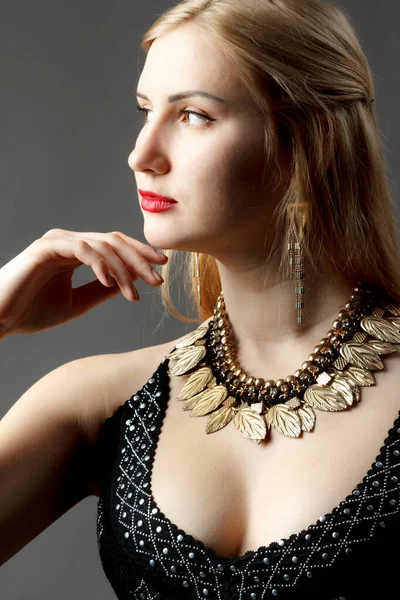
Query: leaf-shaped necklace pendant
[(219, 389)]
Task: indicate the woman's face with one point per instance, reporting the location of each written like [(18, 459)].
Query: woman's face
[(213, 165)]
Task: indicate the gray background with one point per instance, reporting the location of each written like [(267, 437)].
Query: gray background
[(67, 125)]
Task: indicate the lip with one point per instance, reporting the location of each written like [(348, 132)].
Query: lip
[(152, 195), (154, 205)]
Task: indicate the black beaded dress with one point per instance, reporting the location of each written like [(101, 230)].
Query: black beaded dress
[(353, 552)]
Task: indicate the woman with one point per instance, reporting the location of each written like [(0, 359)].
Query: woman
[(260, 137)]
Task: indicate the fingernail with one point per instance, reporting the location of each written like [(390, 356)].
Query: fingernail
[(135, 293), (156, 275)]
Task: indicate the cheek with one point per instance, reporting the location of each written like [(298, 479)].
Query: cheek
[(222, 173), (219, 164)]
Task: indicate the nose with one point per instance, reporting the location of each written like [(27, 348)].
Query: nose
[(148, 154)]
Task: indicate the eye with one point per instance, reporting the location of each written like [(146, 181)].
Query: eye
[(203, 118)]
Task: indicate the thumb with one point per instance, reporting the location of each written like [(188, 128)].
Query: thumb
[(90, 295)]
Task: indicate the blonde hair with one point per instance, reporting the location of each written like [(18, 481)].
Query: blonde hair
[(303, 64)]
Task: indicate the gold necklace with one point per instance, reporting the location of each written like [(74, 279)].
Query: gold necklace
[(329, 380)]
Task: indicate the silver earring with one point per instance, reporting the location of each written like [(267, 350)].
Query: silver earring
[(196, 273), (296, 266)]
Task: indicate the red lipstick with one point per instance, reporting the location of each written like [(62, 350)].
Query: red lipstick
[(153, 202)]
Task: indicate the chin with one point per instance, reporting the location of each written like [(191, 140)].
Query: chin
[(158, 241), (169, 237)]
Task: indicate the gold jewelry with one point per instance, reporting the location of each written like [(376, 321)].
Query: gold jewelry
[(330, 380), (296, 261), (296, 255), (196, 273)]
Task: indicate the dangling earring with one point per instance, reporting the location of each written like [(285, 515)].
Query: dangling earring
[(296, 268), (196, 273)]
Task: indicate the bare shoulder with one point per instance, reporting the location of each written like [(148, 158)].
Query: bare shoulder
[(115, 377)]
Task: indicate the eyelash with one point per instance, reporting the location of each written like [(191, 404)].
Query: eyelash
[(184, 112)]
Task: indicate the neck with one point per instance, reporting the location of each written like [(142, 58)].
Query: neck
[(262, 319)]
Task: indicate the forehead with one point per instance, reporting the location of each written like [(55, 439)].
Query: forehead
[(186, 58)]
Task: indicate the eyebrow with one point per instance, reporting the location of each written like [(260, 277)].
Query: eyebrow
[(183, 95)]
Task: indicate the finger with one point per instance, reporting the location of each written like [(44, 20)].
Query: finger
[(147, 251), (120, 255), (119, 268), (76, 251), (126, 260)]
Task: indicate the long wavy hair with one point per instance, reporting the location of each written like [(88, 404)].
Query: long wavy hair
[(302, 62)]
